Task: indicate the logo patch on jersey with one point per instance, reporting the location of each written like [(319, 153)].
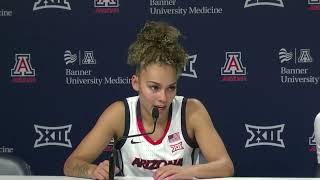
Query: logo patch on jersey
[(155, 164), (109, 146), (174, 137), (176, 147), (135, 142)]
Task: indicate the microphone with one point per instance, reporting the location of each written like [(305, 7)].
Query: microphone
[(155, 116)]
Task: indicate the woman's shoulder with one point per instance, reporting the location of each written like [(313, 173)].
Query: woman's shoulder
[(194, 104), (112, 118), (113, 112), (196, 112), (117, 109), (116, 106)]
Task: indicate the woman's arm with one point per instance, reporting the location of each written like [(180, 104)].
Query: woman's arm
[(109, 125), (212, 147), (200, 127)]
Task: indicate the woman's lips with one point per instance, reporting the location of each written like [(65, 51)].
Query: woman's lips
[(161, 108)]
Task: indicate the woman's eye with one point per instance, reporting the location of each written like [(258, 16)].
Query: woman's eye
[(154, 88), (172, 88)]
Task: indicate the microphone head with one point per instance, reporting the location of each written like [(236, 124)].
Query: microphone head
[(155, 113)]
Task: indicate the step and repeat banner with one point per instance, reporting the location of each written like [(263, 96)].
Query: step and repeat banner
[(255, 64)]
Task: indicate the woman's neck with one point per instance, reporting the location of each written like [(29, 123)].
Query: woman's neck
[(149, 121)]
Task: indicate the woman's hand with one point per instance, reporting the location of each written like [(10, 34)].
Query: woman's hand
[(172, 172), (101, 172)]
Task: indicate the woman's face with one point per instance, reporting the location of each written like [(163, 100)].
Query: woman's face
[(157, 85)]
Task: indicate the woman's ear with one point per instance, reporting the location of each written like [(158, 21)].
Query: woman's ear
[(135, 82)]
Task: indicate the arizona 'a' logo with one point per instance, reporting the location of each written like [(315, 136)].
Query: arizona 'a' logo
[(314, 5), (106, 3), (88, 58), (251, 3), (265, 135), (58, 4), (107, 6), (53, 136), (305, 56), (233, 70), (22, 72)]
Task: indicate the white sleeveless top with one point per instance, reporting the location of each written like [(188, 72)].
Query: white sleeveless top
[(141, 156)]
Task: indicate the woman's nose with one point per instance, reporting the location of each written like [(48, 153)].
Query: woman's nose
[(162, 96)]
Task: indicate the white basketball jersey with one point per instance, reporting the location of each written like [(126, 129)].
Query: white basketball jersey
[(141, 156), (317, 135)]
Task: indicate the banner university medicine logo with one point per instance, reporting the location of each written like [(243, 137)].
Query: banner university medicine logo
[(251, 3), (265, 136), (22, 72), (303, 57), (88, 57), (54, 136), (57, 4), (296, 67), (233, 70), (107, 6)]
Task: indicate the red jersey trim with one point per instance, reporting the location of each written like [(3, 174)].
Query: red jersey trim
[(148, 138)]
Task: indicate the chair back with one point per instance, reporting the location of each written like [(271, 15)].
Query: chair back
[(13, 165)]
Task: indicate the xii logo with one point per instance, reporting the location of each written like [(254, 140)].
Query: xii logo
[(188, 69), (251, 3), (265, 135), (56, 136), (45, 4)]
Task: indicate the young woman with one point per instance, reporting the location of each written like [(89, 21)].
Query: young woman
[(183, 124)]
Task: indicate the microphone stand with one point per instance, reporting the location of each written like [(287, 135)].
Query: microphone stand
[(155, 116)]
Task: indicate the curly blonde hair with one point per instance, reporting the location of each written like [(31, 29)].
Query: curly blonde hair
[(157, 42)]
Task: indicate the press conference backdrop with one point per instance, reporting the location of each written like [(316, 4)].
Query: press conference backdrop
[(253, 63)]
